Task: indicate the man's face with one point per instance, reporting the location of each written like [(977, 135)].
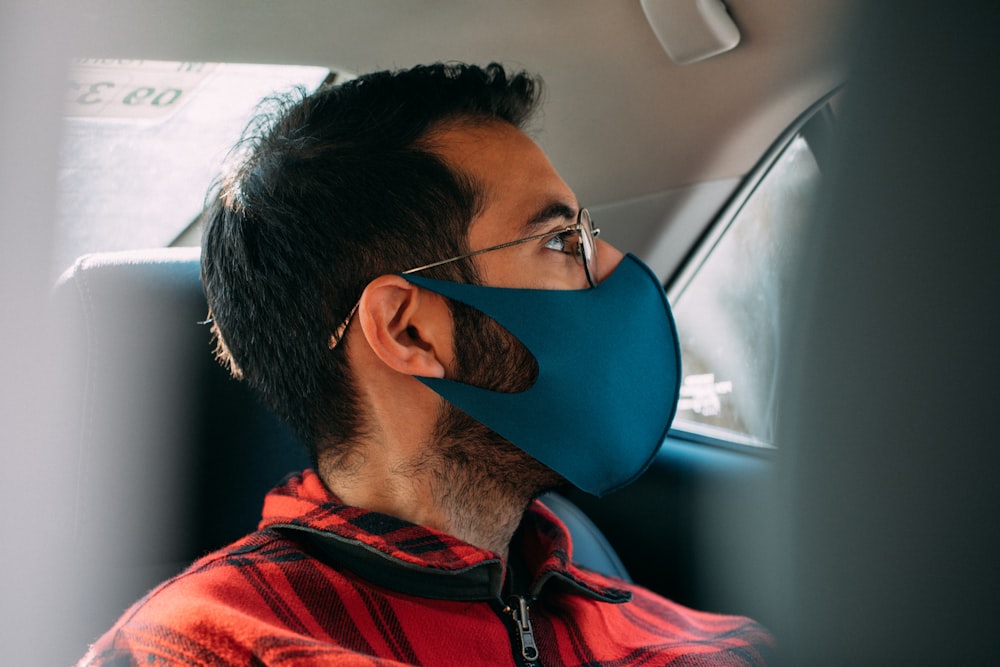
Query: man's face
[(524, 196)]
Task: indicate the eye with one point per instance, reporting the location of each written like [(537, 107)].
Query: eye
[(565, 242)]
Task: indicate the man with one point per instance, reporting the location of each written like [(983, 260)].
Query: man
[(399, 272)]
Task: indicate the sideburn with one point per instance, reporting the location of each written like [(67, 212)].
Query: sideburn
[(489, 356)]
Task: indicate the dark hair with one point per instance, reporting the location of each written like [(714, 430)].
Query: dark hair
[(332, 190)]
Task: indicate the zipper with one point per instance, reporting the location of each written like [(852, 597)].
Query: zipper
[(517, 608)]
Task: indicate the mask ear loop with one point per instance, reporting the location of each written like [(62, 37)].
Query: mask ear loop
[(338, 335)]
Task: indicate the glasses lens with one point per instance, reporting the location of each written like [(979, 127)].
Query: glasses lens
[(588, 246)]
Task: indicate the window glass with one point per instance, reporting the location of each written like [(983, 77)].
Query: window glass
[(143, 140), (728, 305)]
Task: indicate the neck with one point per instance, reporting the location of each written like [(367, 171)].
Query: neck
[(466, 482)]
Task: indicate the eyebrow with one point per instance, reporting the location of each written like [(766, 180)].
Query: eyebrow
[(551, 212)]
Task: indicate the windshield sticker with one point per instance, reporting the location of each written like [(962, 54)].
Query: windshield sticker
[(132, 89)]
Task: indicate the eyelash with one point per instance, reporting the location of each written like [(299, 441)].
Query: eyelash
[(561, 243)]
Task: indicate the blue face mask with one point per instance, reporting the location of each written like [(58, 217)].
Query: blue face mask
[(608, 374)]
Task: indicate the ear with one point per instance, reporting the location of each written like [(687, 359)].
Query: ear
[(407, 327)]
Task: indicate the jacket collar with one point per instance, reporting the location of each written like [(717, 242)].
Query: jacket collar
[(420, 561)]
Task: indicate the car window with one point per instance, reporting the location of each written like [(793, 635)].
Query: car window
[(728, 300), (143, 140)]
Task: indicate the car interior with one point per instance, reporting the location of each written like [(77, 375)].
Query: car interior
[(811, 181)]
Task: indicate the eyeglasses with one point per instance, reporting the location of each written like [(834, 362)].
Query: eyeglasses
[(578, 240)]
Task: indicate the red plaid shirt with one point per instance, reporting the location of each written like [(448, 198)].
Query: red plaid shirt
[(322, 583)]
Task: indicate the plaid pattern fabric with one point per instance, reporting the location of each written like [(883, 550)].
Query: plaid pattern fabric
[(291, 594), (304, 501)]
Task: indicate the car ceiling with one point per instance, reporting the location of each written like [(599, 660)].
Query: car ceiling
[(621, 120)]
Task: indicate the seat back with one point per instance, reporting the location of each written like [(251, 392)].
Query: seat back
[(174, 455)]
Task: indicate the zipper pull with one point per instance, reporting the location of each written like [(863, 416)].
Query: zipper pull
[(529, 650)]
